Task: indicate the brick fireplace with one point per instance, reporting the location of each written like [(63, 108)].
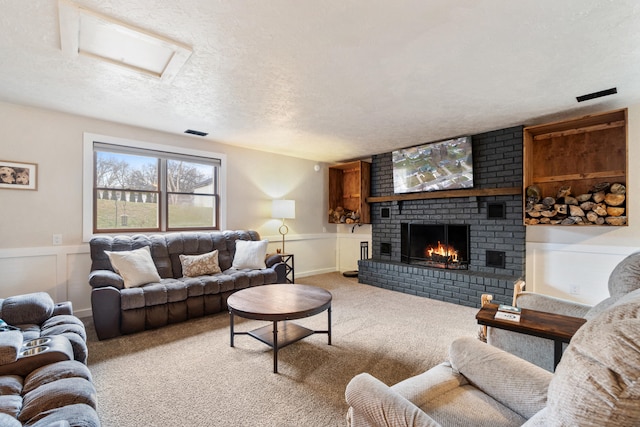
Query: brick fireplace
[(496, 246)]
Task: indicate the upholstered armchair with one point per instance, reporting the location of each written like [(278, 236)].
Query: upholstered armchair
[(595, 384), (624, 278)]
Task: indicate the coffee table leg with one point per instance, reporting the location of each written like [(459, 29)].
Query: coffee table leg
[(231, 326), (329, 324), (275, 347)]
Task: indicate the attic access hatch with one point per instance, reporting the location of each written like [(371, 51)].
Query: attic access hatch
[(88, 33)]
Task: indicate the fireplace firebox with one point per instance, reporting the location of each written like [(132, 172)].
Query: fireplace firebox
[(435, 245)]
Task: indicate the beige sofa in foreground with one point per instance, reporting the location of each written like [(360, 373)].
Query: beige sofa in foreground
[(595, 384)]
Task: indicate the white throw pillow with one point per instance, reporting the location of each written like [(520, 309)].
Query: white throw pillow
[(250, 254), (136, 267), (200, 265)]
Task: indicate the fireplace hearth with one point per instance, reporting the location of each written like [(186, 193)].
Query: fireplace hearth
[(443, 246)]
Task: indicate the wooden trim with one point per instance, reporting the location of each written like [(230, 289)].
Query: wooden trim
[(506, 191), (576, 131), (570, 177)]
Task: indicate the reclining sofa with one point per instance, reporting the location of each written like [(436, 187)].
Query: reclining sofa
[(44, 380), (173, 296)]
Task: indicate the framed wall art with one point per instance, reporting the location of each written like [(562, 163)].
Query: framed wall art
[(18, 175)]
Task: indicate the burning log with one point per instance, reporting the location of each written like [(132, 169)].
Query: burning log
[(604, 203)]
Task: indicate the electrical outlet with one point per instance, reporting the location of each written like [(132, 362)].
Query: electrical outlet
[(57, 239), (574, 289)]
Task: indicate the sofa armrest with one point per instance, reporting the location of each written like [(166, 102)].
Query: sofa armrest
[(105, 305), (549, 304), (514, 382), (373, 403), (272, 260), (63, 308), (103, 278)]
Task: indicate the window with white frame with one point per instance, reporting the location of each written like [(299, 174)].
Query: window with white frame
[(139, 187)]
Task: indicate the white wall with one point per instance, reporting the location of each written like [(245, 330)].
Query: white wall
[(561, 258), (28, 260)]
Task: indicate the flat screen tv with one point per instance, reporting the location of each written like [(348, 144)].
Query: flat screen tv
[(442, 165)]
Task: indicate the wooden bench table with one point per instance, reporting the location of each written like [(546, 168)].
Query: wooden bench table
[(558, 328)]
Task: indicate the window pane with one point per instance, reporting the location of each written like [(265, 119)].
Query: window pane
[(190, 211), (190, 177), (126, 209), (126, 171)]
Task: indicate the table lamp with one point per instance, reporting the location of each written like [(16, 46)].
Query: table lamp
[(283, 209)]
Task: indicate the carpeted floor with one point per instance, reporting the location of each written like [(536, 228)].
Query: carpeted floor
[(187, 375)]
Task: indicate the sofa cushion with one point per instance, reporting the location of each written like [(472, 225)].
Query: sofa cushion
[(54, 372), (79, 414), (136, 267), (56, 394), (596, 382), (32, 308), (200, 265), (250, 254)]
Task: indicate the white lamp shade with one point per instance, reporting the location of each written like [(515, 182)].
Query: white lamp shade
[(283, 209)]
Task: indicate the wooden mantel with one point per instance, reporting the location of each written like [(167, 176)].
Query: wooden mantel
[(507, 191)]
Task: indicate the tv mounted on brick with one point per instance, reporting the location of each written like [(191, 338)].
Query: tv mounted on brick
[(444, 165)]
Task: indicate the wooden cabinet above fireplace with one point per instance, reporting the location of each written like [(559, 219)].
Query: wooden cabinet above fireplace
[(580, 154)]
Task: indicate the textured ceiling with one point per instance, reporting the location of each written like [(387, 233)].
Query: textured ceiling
[(335, 80)]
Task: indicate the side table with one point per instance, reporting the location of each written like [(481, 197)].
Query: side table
[(289, 267), (541, 324)]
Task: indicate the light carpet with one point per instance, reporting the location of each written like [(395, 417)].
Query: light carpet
[(187, 374)]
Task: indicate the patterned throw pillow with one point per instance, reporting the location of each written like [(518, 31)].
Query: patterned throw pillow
[(200, 265)]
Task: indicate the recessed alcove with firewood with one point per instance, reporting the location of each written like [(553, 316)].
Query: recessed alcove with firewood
[(575, 171)]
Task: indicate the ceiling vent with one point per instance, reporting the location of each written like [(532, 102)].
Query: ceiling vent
[(87, 33), (196, 132), (600, 94)]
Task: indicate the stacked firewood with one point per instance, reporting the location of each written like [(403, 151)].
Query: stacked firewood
[(342, 215), (603, 204)]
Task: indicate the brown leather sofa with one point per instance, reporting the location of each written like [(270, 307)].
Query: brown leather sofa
[(119, 310)]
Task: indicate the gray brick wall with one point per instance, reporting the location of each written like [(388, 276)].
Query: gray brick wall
[(497, 161)]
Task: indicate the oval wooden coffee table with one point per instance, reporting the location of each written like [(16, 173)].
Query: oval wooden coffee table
[(279, 303)]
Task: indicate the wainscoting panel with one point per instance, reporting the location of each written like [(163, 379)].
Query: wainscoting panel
[(575, 272)]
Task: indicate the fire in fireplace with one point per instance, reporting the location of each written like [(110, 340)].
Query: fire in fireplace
[(435, 245)]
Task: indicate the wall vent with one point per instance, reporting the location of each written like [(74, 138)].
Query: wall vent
[(496, 259), (385, 248)]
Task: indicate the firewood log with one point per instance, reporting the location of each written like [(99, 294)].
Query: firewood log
[(569, 200), (611, 211), (619, 220), (583, 197), (575, 211), (600, 209), (598, 196), (587, 206), (614, 199), (592, 216), (618, 188)]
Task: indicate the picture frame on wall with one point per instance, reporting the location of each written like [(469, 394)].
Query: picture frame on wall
[(18, 175)]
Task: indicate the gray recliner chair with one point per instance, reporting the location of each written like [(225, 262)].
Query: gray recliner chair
[(595, 384), (624, 278)]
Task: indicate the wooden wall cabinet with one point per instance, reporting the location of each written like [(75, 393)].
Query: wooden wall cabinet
[(349, 187), (580, 153)]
